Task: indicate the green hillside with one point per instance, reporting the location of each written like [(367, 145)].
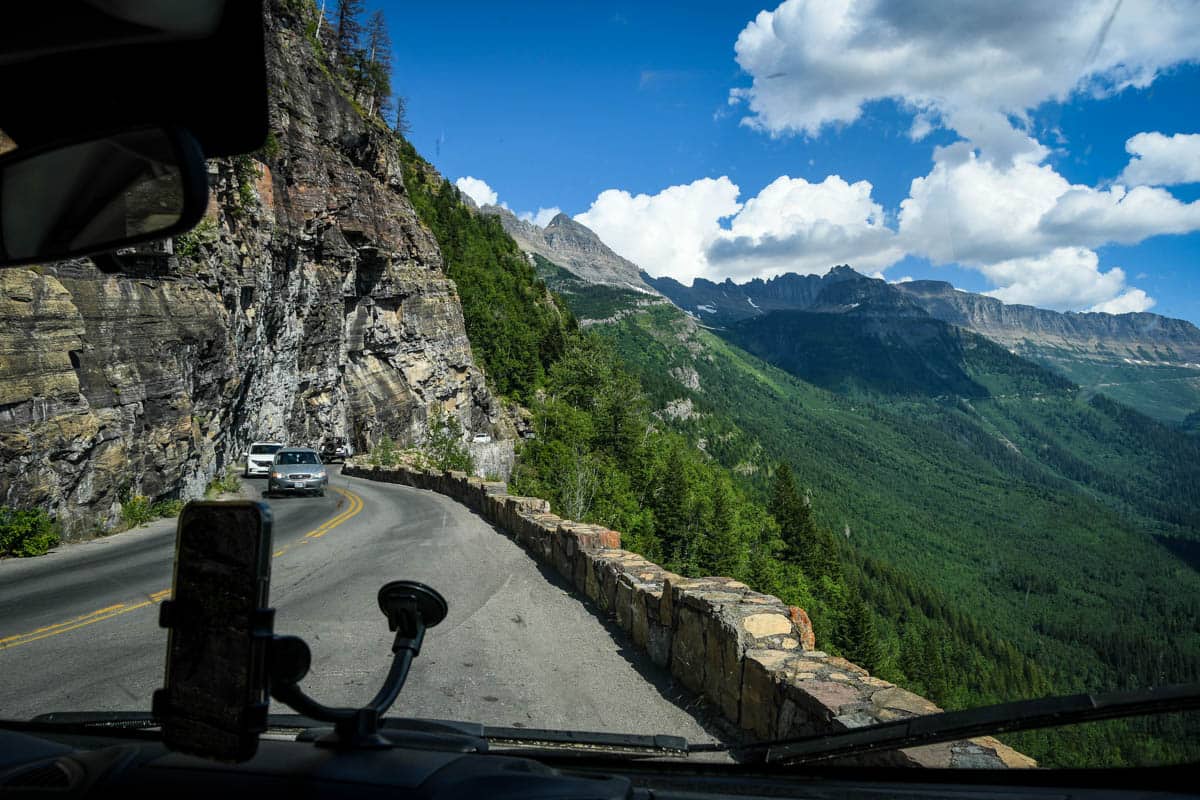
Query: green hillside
[(1165, 392), (974, 549), (517, 329), (1033, 508)]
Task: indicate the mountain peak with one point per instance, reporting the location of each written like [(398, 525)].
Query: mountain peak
[(574, 247), (561, 220)]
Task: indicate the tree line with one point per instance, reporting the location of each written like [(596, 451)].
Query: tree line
[(361, 55)]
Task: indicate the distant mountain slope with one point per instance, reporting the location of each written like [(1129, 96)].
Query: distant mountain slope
[(1056, 521), (1138, 336), (1148, 361), (574, 247), (1036, 510), (879, 353)]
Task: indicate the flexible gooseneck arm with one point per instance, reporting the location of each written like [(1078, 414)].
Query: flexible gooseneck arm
[(410, 607)]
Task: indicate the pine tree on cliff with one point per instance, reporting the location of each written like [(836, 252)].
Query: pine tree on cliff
[(721, 551), (812, 549), (349, 29), (378, 79), (857, 636), (400, 124)]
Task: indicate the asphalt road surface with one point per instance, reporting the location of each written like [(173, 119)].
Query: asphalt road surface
[(78, 627)]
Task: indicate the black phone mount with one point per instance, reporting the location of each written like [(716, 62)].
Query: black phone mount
[(410, 608)]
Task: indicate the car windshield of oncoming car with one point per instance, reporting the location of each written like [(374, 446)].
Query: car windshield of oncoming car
[(264, 449), (296, 458)]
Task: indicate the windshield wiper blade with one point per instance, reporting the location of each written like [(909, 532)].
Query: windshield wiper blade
[(97, 719), (984, 721), (587, 743), (401, 730)]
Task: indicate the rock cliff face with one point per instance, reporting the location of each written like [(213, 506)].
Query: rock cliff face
[(574, 247), (1136, 336), (1146, 361), (1012, 325), (310, 302)]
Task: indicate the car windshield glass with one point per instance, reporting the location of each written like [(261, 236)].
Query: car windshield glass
[(733, 369), (292, 457)]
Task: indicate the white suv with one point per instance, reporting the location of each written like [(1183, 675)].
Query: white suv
[(259, 458)]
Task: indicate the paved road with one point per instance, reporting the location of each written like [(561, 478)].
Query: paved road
[(78, 628)]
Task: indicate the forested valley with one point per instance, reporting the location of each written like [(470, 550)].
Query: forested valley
[(924, 543)]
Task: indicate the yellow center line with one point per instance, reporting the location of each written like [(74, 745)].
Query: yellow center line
[(98, 612), (80, 622), (108, 612)]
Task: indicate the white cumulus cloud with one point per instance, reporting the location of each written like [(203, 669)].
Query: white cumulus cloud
[(1032, 232), (1160, 160), (666, 233), (541, 217), (1066, 278), (790, 226), (1130, 301), (796, 226), (976, 68), (478, 190)]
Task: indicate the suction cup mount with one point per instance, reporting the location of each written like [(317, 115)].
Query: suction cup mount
[(410, 608)]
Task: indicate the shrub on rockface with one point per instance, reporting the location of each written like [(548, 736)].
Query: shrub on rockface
[(444, 445), (26, 532), (136, 511)]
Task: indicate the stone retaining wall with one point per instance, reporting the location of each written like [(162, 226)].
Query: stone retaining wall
[(751, 655)]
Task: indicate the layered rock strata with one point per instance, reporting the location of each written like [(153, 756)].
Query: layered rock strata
[(310, 302)]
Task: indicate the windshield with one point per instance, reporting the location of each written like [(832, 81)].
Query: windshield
[(838, 363), (291, 457)]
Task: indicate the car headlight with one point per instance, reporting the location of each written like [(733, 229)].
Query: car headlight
[(276, 474)]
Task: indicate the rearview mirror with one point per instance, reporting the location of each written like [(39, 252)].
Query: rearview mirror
[(90, 196)]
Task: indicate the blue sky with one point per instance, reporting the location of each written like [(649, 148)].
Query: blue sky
[(622, 116)]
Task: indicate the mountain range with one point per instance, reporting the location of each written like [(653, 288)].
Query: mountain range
[(572, 246), (948, 441), (1146, 360)]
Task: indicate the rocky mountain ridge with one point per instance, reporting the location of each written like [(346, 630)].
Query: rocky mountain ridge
[(1177, 340), (574, 247), (1162, 338), (1147, 361), (310, 302)]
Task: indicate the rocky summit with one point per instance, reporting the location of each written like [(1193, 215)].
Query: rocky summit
[(574, 247), (1135, 335), (1147, 361), (310, 302)]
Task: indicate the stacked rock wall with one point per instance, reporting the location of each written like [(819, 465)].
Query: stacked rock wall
[(749, 654)]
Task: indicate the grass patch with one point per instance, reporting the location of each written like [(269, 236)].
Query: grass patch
[(228, 483), (136, 511)]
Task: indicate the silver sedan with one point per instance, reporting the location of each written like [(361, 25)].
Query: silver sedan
[(297, 469)]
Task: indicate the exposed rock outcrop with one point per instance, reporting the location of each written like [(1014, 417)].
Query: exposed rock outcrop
[(1141, 336), (574, 247), (310, 302)]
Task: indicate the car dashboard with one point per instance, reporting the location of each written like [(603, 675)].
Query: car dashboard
[(124, 763)]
